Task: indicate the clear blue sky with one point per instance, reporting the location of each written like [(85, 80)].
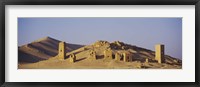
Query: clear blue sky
[(142, 32)]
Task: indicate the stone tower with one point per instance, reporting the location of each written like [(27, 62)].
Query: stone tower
[(159, 48), (61, 51)]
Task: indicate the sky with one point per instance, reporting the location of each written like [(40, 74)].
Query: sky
[(142, 32)]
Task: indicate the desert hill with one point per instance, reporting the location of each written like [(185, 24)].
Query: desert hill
[(139, 56), (41, 49)]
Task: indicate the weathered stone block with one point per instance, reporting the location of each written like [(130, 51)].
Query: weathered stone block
[(108, 54), (92, 55), (127, 57), (159, 55), (72, 58), (61, 51), (117, 56)]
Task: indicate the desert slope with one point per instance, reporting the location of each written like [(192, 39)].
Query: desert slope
[(83, 62), (41, 49), (139, 53)]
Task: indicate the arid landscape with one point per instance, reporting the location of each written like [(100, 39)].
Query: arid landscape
[(44, 54)]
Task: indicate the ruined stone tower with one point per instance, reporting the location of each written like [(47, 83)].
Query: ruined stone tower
[(61, 51), (127, 57), (159, 55)]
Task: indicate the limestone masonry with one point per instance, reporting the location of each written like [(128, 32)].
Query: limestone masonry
[(108, 54), (160, 53), (61, 51)]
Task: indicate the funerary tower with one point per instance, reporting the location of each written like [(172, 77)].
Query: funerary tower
[(61, 50), (159, 49)]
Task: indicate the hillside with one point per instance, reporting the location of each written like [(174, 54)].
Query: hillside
[(41, 49), (139, 55)]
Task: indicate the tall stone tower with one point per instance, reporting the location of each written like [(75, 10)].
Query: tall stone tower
[(61, 51), (160, 53)]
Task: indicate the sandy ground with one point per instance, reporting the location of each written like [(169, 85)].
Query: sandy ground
[(84, 62), (95, 64)]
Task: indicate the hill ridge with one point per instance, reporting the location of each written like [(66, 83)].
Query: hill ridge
[(43, 48)]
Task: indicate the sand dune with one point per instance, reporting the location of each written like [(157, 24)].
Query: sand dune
[(41, 49)]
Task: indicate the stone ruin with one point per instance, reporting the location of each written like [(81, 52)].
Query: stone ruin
[(108, 54), (92, 55), (72, 58), (61, 51), (117, 56), (127, 57), (101, 43), (159, 53)]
